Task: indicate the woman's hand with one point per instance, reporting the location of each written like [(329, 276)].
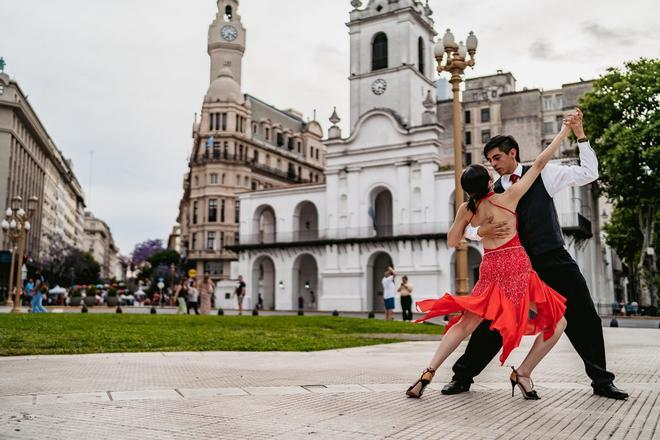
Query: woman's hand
[(575, 121), (494, 230)]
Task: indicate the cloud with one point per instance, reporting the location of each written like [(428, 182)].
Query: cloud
[(541, 49), (601, 33)]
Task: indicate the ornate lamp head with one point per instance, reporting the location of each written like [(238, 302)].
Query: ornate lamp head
[(462, 50), (33, 202), (471, 42), (16, 202), (448, 40)]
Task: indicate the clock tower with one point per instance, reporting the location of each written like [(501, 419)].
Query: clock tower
[(226, 40), (392, 65)]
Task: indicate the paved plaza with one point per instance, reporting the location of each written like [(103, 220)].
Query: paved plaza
[(337, 394)]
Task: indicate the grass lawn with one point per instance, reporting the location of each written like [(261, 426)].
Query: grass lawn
[(110, 333)]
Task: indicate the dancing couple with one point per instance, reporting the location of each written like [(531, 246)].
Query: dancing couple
[(528, 283)]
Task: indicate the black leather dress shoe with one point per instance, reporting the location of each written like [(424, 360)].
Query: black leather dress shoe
[(456, 387), (610, 391)]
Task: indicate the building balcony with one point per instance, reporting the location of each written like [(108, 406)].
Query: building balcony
[(253, 164), (266, 239), (209, 254), (576, 224)]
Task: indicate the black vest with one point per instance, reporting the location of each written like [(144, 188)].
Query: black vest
[(538, 225)]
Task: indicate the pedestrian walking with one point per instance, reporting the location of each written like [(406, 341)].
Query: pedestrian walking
[(312, 299), (240, 293), (37, 299), (180, 299), (192, 297), (206, 289)]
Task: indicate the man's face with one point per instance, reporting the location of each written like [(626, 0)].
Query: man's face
[(502, 162)]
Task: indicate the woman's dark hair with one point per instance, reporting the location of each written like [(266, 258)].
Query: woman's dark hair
[(475, 180)]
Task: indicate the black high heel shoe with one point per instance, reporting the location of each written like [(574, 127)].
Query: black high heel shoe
[(528, 395), (417, 389)]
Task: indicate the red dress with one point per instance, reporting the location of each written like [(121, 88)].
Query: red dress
[(506, 287)]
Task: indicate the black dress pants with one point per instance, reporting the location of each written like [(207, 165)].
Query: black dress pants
[(192, 305), (406, 307), (584, 328)]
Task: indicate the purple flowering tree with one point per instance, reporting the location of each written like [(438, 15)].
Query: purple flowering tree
[(66, 265), (146, 249)]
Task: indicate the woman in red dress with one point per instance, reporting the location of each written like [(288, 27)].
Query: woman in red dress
[(508, 287)]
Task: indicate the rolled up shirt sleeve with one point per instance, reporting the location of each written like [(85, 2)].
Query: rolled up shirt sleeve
[(557, 177), (472, 233)]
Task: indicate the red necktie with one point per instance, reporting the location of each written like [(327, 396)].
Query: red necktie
[(514, 178)]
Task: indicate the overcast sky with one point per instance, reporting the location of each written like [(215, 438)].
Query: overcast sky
[(123, 78)]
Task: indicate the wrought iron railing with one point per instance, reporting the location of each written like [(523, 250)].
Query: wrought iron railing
[(378, 231), (220, 157), (574, 223)]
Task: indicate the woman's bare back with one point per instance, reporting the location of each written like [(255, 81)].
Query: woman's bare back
[(487, 211)]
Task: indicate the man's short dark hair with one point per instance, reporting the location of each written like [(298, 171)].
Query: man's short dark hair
[(504, 143)]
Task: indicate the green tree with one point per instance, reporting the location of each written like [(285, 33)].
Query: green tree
[(621, 116), (160, 265), (166, 257)]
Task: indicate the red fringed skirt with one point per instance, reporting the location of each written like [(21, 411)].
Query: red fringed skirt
[(507, 286)]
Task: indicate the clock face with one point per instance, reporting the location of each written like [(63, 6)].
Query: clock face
[(379, 86), (229, 33)]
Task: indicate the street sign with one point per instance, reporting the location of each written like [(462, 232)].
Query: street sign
[(192, 273)]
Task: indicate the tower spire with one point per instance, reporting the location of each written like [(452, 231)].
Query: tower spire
[(226, 44)]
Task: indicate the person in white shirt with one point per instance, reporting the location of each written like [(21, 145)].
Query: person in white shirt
[(541, 236), (389, 292)]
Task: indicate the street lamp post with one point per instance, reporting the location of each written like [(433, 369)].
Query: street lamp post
[(16, 226), (452, 58)]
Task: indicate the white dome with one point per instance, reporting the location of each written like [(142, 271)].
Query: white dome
[(224, 88)]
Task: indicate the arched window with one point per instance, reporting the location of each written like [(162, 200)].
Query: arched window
[(379, 52), (420, 55), (228, 13)]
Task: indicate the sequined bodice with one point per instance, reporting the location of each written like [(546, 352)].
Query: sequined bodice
[(509, 267)]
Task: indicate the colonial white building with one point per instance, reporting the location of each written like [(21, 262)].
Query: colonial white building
[(388, 195)]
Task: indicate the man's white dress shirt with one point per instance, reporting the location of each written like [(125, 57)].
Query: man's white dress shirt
[(555, 178), (389, 289)]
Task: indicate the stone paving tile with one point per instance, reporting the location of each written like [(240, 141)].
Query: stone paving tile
[(339, 388), (145, 394), (386, 386), (205, 393), (68, 398), (12, 401), (267, 391)]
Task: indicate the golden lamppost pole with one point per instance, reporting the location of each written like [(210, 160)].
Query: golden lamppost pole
[(16, 226), (452, 58)]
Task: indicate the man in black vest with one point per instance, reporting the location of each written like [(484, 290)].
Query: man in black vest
[(541, 236)]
